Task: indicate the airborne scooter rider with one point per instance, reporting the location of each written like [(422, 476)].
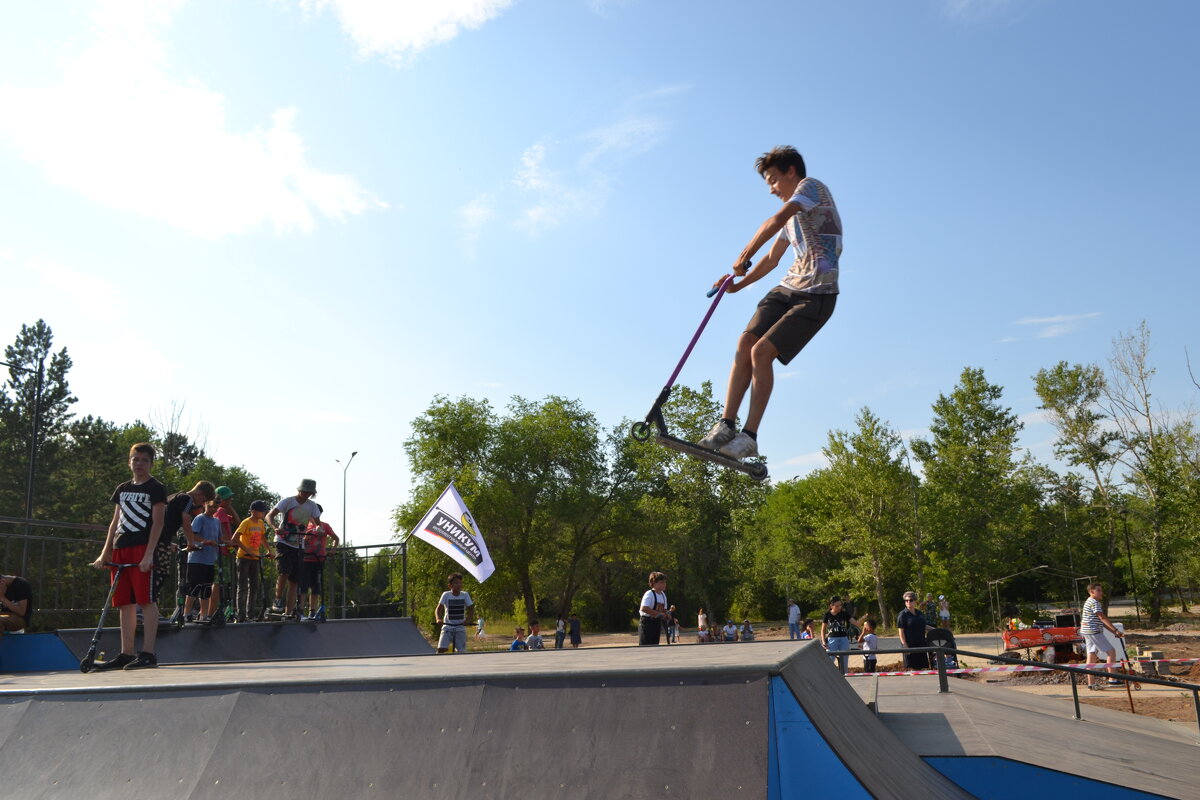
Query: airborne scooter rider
[(791, 313)]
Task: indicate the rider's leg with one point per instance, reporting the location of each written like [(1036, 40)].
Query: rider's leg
[(739, 375), (762, 358)]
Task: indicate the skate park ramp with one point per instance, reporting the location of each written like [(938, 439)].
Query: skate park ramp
[(668, 722), (984, 735), (269, 641)]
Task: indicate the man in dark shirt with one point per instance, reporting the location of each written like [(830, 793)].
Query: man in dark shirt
[(911, 625), (16, 603)]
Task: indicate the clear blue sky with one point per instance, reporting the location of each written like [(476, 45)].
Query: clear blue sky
[(306, 219)]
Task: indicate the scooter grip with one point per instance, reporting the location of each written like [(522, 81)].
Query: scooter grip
[(746, 265)]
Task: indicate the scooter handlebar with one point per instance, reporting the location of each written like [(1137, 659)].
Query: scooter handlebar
[(745, 265)]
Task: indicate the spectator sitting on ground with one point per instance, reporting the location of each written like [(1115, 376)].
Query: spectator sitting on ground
[(730, 631), (518, 642), (16, 603), (746, 632), (806, 630), (534, 640)]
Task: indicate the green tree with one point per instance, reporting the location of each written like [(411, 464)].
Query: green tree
[(869, 502), (37, 381), (1154, 449), (977, 499), (1071, 395), (534, 479)]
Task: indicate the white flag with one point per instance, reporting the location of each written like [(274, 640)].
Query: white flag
[(449, 527)]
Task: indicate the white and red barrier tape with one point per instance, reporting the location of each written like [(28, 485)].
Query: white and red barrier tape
[(1017, 668)]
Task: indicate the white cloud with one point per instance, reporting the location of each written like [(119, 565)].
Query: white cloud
[(473, 218), (396, 30), (580, 179), (808, 462), (1059, 325), (1038, 417), (119, 129), (623, 139), (554, 197), (89, 296)]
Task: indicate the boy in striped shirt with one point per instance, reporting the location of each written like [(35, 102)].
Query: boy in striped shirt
[(1092, 624)]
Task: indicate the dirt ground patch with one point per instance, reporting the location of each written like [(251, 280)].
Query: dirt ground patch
[(1174, 707)]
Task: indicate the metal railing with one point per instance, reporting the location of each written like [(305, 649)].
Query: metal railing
[(1073, 671), (360, 581)]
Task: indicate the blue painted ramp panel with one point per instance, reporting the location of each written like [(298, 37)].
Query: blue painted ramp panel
[(801, 762), (993, 778), (35, 652)]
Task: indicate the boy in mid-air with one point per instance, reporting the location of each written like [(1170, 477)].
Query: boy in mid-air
[(792, 312), (133, 534)]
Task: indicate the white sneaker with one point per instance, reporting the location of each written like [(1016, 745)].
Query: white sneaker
[(721, 434), (741, 447)]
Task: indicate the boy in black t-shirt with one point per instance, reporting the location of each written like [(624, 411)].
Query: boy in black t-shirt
[(133, 535), (177, 537)]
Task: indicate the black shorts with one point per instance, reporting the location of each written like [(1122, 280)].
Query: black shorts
[(287, 559), (312, 577), (200, 579), (789, 320)]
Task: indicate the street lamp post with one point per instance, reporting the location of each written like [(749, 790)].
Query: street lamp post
[(346, 467), (33, 437), (917, 549)]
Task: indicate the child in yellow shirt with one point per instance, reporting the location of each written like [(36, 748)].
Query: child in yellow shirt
[(251, 543)]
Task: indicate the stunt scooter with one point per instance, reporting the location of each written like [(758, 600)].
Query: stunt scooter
[(655, 426), (89, 660)]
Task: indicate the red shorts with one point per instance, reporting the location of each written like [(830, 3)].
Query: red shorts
[(133, 585)]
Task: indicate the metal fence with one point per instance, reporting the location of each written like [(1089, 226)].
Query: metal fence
[(1074, 671), (56, 558)]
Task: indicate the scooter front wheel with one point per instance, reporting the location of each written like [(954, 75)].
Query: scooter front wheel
[(758, 471), (85, 666), (641, 431)]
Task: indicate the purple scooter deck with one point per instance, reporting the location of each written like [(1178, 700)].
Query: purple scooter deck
[(755, 469)]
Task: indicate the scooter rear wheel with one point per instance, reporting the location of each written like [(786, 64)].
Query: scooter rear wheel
[(641, 431), (758, 472)]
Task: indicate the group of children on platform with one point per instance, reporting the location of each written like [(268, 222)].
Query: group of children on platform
[(141, 544)]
